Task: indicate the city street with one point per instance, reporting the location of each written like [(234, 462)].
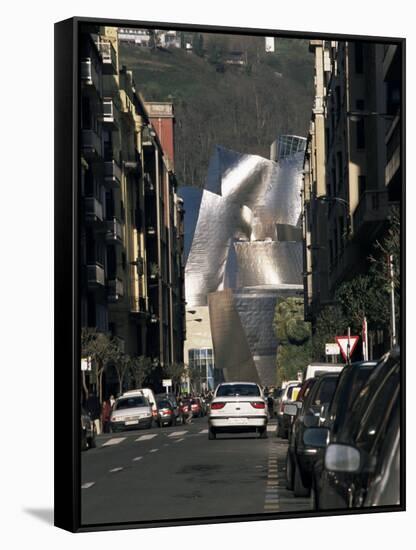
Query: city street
[(176, 472)]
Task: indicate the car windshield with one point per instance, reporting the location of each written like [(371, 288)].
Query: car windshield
[(131, 402), (234, 390)]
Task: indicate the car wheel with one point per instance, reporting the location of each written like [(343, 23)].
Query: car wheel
[(298, 487), (91, 443), (84, 442), (314, 499), (211, 433), (289, 472), (149, 425), (173, 422)]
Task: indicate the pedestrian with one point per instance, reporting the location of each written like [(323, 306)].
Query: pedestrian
[(189, 417), (112, 401), (94, 410), (105, 416)]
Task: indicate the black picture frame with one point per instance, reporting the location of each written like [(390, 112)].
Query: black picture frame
[(67, 274)]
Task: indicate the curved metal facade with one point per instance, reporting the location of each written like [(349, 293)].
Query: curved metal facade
[(247, 235)]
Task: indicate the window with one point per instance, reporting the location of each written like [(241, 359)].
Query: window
[(130, 403), (325, 391), (360, 104), (360, 133), (359, 57), (233, 390), (362, 183)]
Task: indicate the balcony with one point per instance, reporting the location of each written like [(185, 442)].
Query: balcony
[(112, 173), (108, 55), (373, 209), (89, 75), (90, 143), (115, 290), (109, 117), (93, 210), (114, 233), (95, 275)]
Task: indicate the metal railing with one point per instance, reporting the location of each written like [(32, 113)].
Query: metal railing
[(114, 230), (93, 209), (112, 172), (95, 274)]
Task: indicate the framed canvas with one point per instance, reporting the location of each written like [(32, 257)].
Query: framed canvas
[(229, 313)]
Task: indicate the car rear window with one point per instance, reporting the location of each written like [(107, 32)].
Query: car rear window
[(292, 393), (235, 390), (325, 391), (164, 404), (130, 403)]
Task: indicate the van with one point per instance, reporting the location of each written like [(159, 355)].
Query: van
[(148, 393), (316, 368)]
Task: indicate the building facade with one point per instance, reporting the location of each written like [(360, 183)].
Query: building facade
[(352, 176), (132, 219)]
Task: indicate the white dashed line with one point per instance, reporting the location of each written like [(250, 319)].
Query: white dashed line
[(178, 434), (114, 441), (146, 437), (179, 440), (116, 469), (204, 431), (137, 458), (153, 450), (88, 485)]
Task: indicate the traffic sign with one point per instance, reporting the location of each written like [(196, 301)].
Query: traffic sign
[(332, 349), (343, 344), (167, 383)]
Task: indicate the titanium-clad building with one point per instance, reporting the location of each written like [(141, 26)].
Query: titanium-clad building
[(246, 252)]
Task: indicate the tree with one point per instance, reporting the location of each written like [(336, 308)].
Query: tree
[(293, 334), (101, 349), (174, 371), (141, 367), (331, 322), (122, 365)]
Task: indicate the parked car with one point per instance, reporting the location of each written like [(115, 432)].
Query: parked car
[(352, 379), (172, 398), (365, 449), (300, 455), (303, 393), (165, 413), (316, 368), (131, 411), (150, 396), (87, 431), (197, 407), (289, 393), (236, 407)]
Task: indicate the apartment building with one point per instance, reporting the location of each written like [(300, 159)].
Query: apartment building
[(352, 175), (132, 220)]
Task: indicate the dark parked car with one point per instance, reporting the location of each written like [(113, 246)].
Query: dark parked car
[(288, 395), (300, 456), (165, 413), (87, 431), (351, 380), (366, 448), (172, 398)]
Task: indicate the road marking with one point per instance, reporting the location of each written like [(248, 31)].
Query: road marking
[(204, 431), (137, 458), (116, 469), (87, 485), (146, 437), (178, 434), (113, 441), (153, 450), (179, 440)]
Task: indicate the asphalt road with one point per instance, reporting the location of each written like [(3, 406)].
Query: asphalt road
[(177, 473)]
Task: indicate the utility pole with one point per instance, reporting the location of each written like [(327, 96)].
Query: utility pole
[(393, 307)]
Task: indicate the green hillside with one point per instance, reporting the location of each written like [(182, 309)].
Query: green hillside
[(242, 107)]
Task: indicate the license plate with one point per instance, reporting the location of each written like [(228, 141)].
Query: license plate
[(237, 420), (130, 422)]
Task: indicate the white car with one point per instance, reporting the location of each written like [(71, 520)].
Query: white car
[(237, 407), (131, 412)]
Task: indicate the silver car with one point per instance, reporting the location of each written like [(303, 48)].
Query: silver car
[(131, 412)]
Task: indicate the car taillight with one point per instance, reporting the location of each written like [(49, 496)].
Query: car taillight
[(258, 404), (216, 406)]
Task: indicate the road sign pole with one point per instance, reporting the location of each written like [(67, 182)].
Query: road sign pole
[(349, 346)]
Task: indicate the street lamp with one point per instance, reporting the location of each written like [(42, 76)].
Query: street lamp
[(343, 202)]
